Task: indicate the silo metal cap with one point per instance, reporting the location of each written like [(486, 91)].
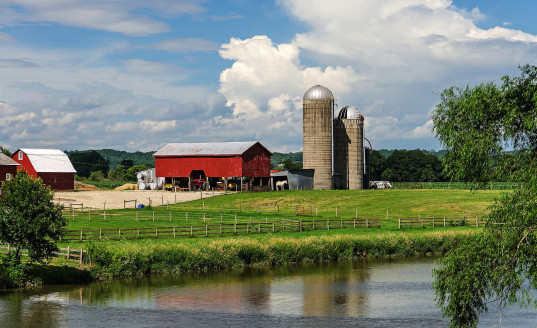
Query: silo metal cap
[(349, 113), (318, 92)]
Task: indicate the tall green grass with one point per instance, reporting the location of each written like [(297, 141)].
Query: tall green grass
[(123, 259)]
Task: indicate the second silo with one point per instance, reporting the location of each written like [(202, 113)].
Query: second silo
[(318, 105), (349, 147)]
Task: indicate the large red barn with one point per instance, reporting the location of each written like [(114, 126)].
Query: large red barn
[(181, 163), (8, 167), (51, 165)]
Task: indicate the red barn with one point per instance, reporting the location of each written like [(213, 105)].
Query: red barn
[(219, 164), (8, 167), (51, 165)]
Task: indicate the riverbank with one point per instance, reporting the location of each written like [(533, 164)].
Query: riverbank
[(133, 258)]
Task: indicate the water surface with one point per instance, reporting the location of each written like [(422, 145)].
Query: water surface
[(367, 293)]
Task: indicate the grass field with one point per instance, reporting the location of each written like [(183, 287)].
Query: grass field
[(274, 206)]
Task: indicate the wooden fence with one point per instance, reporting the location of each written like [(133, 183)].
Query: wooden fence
[(220, 229), (69, 253), (439, 222)]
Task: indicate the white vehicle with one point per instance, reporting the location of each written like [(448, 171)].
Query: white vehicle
[(380, 185)]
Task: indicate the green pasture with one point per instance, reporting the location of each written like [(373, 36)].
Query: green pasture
[(275, 206)]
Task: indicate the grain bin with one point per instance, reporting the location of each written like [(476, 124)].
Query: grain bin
[(318, 106), (349, 147)]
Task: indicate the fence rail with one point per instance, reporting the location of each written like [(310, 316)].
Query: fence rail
[(69, 253), (220, 229), (439, 222)]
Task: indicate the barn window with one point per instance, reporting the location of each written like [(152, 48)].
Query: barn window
[(8, 176), (20, 155)]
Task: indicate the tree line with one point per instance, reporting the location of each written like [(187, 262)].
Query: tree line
[(90, 164)]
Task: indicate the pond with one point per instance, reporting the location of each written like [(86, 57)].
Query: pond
[(366, 293)]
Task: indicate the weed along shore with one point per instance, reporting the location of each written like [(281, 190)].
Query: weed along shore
[(150, 256), (274, 228)]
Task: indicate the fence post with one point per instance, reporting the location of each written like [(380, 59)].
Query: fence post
[(327, 224), (100, 234), (354, 224), (156, 232), (68, 252), (220, 229), (235, 228), (336, 211), (153, 216), (203, 205), (119, 233), (104, 215), (316, 211), (273, 227), (170, 216), (175, 198), (387, 211), (444, 221), (73, 215), (206, 230), (191, 230), (356, 213), (278, 206), (89, 217), (221, 217), (341, 223), (138, 233), (283, 225), (399, 224), (186, 216), (247, 227), (221, 208), (80, 235), (259, 226), (367, 223)]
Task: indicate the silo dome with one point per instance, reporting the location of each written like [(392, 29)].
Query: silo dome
[(349, 113), (318, 92)]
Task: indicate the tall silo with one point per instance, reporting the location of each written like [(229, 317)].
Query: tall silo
[(349, 147), (318, 105)]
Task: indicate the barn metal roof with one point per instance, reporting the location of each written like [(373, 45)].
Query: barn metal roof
[(6, 160), (49, 160), (205, 149)]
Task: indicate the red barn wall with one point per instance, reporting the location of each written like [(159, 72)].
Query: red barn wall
[(213, 166), (25, 163), (58, 181), (5, 169), (256, 162)]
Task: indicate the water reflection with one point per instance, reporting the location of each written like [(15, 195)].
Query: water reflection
[(372, 293)]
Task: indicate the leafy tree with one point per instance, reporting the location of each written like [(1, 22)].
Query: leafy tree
[(377, 165), (86, 162), (28, 217), (5, 151), (290, 165), (477, 124), (127, 163)]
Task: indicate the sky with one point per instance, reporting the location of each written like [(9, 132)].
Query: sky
[(134, 75)]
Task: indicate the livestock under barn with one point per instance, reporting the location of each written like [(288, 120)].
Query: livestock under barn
[(220, 165)]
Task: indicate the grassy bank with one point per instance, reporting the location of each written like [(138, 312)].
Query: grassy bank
[(130, 258)]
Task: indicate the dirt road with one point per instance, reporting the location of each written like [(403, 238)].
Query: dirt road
[(113, 199)]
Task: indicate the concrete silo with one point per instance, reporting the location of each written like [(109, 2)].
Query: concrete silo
[(318, 106), (349, 147)]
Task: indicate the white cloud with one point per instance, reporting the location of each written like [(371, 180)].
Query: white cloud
[(109, 15), (186, 45)]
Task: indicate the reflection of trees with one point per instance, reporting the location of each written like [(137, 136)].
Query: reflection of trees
[(20, 311)]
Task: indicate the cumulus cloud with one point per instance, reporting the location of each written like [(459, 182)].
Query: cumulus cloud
[(389, 58)]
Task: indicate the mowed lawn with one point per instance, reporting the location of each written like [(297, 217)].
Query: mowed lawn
[(272, 206)]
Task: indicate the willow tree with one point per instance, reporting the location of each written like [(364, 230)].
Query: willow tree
[(499, 266)]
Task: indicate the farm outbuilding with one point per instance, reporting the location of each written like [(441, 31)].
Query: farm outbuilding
[(220, 165), (8, 167), (51, 165)]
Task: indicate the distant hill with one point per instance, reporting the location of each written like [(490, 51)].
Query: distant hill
[(278, 158), (116, 156), (438, 154)]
